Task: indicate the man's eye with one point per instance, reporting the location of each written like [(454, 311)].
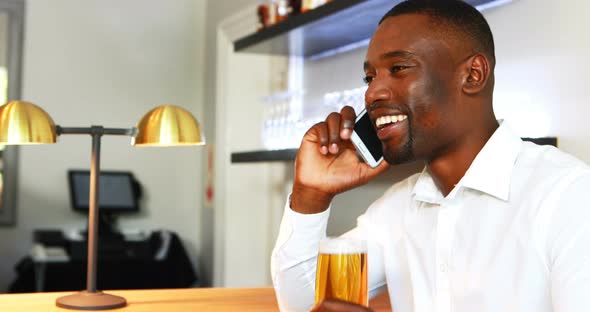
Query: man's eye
[(397, 68), (367, 79)]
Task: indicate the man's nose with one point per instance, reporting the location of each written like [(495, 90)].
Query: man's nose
[(378, 91)]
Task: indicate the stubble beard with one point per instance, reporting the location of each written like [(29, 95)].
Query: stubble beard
[(404, 154)]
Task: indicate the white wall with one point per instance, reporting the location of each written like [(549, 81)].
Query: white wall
[(247, 211), (213, 223), (540, 89), (244, 216), (541, 83), (107, 62)]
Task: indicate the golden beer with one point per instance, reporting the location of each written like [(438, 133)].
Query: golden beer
[(342, 272)]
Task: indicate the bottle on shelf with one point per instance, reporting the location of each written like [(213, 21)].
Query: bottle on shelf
[(283, 10), (267, 14), (262, 14), (307, 5), (295, 7), (271, 12)]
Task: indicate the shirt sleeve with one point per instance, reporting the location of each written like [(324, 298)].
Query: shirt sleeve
[(568, 249), (294, 258)]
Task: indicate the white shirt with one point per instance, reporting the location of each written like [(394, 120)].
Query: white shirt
[(513, 235)]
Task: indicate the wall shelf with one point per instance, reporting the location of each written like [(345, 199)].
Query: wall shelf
[(264, 156), (289, 154), (334, 25), (543, 141)]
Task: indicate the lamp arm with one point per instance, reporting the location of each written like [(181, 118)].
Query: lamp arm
[(100, 130)]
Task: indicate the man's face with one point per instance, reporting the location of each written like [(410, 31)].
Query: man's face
[(413, 88)]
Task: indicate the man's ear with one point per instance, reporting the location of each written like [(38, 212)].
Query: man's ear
[(476, 74)]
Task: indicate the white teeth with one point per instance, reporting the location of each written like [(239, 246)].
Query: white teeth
[(384, 120)]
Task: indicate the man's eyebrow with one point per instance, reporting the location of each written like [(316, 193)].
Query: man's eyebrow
[(397, 53), (391, 54)]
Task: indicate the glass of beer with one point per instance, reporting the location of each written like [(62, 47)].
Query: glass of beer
[(342, 271)]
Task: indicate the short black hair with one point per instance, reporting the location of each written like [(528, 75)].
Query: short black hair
[(460, 16)]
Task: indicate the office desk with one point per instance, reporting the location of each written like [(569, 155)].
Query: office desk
[(171, 300)]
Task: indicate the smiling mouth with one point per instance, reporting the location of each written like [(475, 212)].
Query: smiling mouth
[(384, 121)]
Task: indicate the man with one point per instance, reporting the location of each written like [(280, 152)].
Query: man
[(491, 224)]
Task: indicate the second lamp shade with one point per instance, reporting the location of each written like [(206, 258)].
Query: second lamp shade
[(168, 125)]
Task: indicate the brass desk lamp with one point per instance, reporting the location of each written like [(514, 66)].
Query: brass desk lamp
[(26, 123)]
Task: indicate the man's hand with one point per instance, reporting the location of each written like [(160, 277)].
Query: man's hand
[(339, 306), (327, 164)]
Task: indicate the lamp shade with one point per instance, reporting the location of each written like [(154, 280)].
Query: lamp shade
[(168, 125), (25, 123)]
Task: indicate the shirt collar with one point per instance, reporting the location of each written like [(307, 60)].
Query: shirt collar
[(490, 171), (425, 190)]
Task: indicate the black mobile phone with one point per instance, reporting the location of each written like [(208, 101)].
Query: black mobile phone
[(366, 141)]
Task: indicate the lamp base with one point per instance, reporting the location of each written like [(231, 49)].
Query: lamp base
[(90, 301)]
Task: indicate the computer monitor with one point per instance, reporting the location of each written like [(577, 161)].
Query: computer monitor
[(118, 191)]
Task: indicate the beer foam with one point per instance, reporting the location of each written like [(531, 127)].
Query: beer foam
[(341, 245)]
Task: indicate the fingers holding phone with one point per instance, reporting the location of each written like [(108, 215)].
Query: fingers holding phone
[(338, 128), (347, 124)]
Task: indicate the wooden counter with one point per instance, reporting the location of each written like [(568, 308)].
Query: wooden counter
[(171, 300)]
